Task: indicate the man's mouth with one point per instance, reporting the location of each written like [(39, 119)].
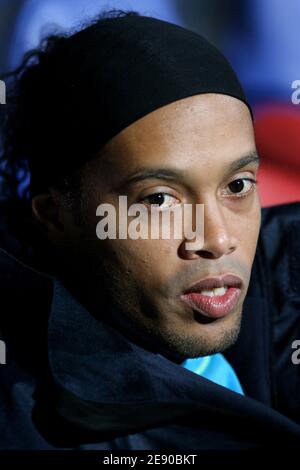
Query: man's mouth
[(214, 297)]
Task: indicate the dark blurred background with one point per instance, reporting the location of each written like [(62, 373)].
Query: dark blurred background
[(261, 38)]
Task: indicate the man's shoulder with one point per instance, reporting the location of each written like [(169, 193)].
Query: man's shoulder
[(15, 274), (280, 219), (279, 249), (279, 257), (22, 287), (26, 297)]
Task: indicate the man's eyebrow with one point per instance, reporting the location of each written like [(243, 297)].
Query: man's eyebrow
[(170, 174), (154, 173), (252, 157)]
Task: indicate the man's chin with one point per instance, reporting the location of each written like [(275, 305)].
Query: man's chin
[(202, 340)]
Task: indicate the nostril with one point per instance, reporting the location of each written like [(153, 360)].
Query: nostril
[(206, 254)]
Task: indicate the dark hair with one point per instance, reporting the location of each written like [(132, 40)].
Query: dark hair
[(19, 141), (25, 86)]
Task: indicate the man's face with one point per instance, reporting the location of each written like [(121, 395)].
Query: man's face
[(191, 151)]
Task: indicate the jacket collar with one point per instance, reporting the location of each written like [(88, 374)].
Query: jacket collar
[(101, 385)]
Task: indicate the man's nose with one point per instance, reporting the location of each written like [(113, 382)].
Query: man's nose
[(219, 236)]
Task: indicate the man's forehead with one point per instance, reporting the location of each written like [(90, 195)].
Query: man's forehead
[(186, 115), (194, 131), (180, 123)]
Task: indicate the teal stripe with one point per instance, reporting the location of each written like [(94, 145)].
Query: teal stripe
[(215, 368)]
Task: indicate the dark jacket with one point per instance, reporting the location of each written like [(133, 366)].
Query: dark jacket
[(73, 382)]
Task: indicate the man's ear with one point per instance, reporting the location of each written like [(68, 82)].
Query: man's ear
[(48, 213)]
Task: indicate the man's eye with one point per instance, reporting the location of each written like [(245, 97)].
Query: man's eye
[(241, 186), (163, 200)]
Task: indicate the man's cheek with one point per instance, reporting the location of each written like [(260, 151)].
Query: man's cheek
[(248, 235)]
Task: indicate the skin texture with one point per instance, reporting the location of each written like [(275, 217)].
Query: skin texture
[(139, 282)]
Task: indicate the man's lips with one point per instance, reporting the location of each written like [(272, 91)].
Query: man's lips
[(214, 297)]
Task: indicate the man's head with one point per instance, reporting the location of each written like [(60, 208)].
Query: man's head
[(195, 148)]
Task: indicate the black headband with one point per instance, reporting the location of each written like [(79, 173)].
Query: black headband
[(108, 76)]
